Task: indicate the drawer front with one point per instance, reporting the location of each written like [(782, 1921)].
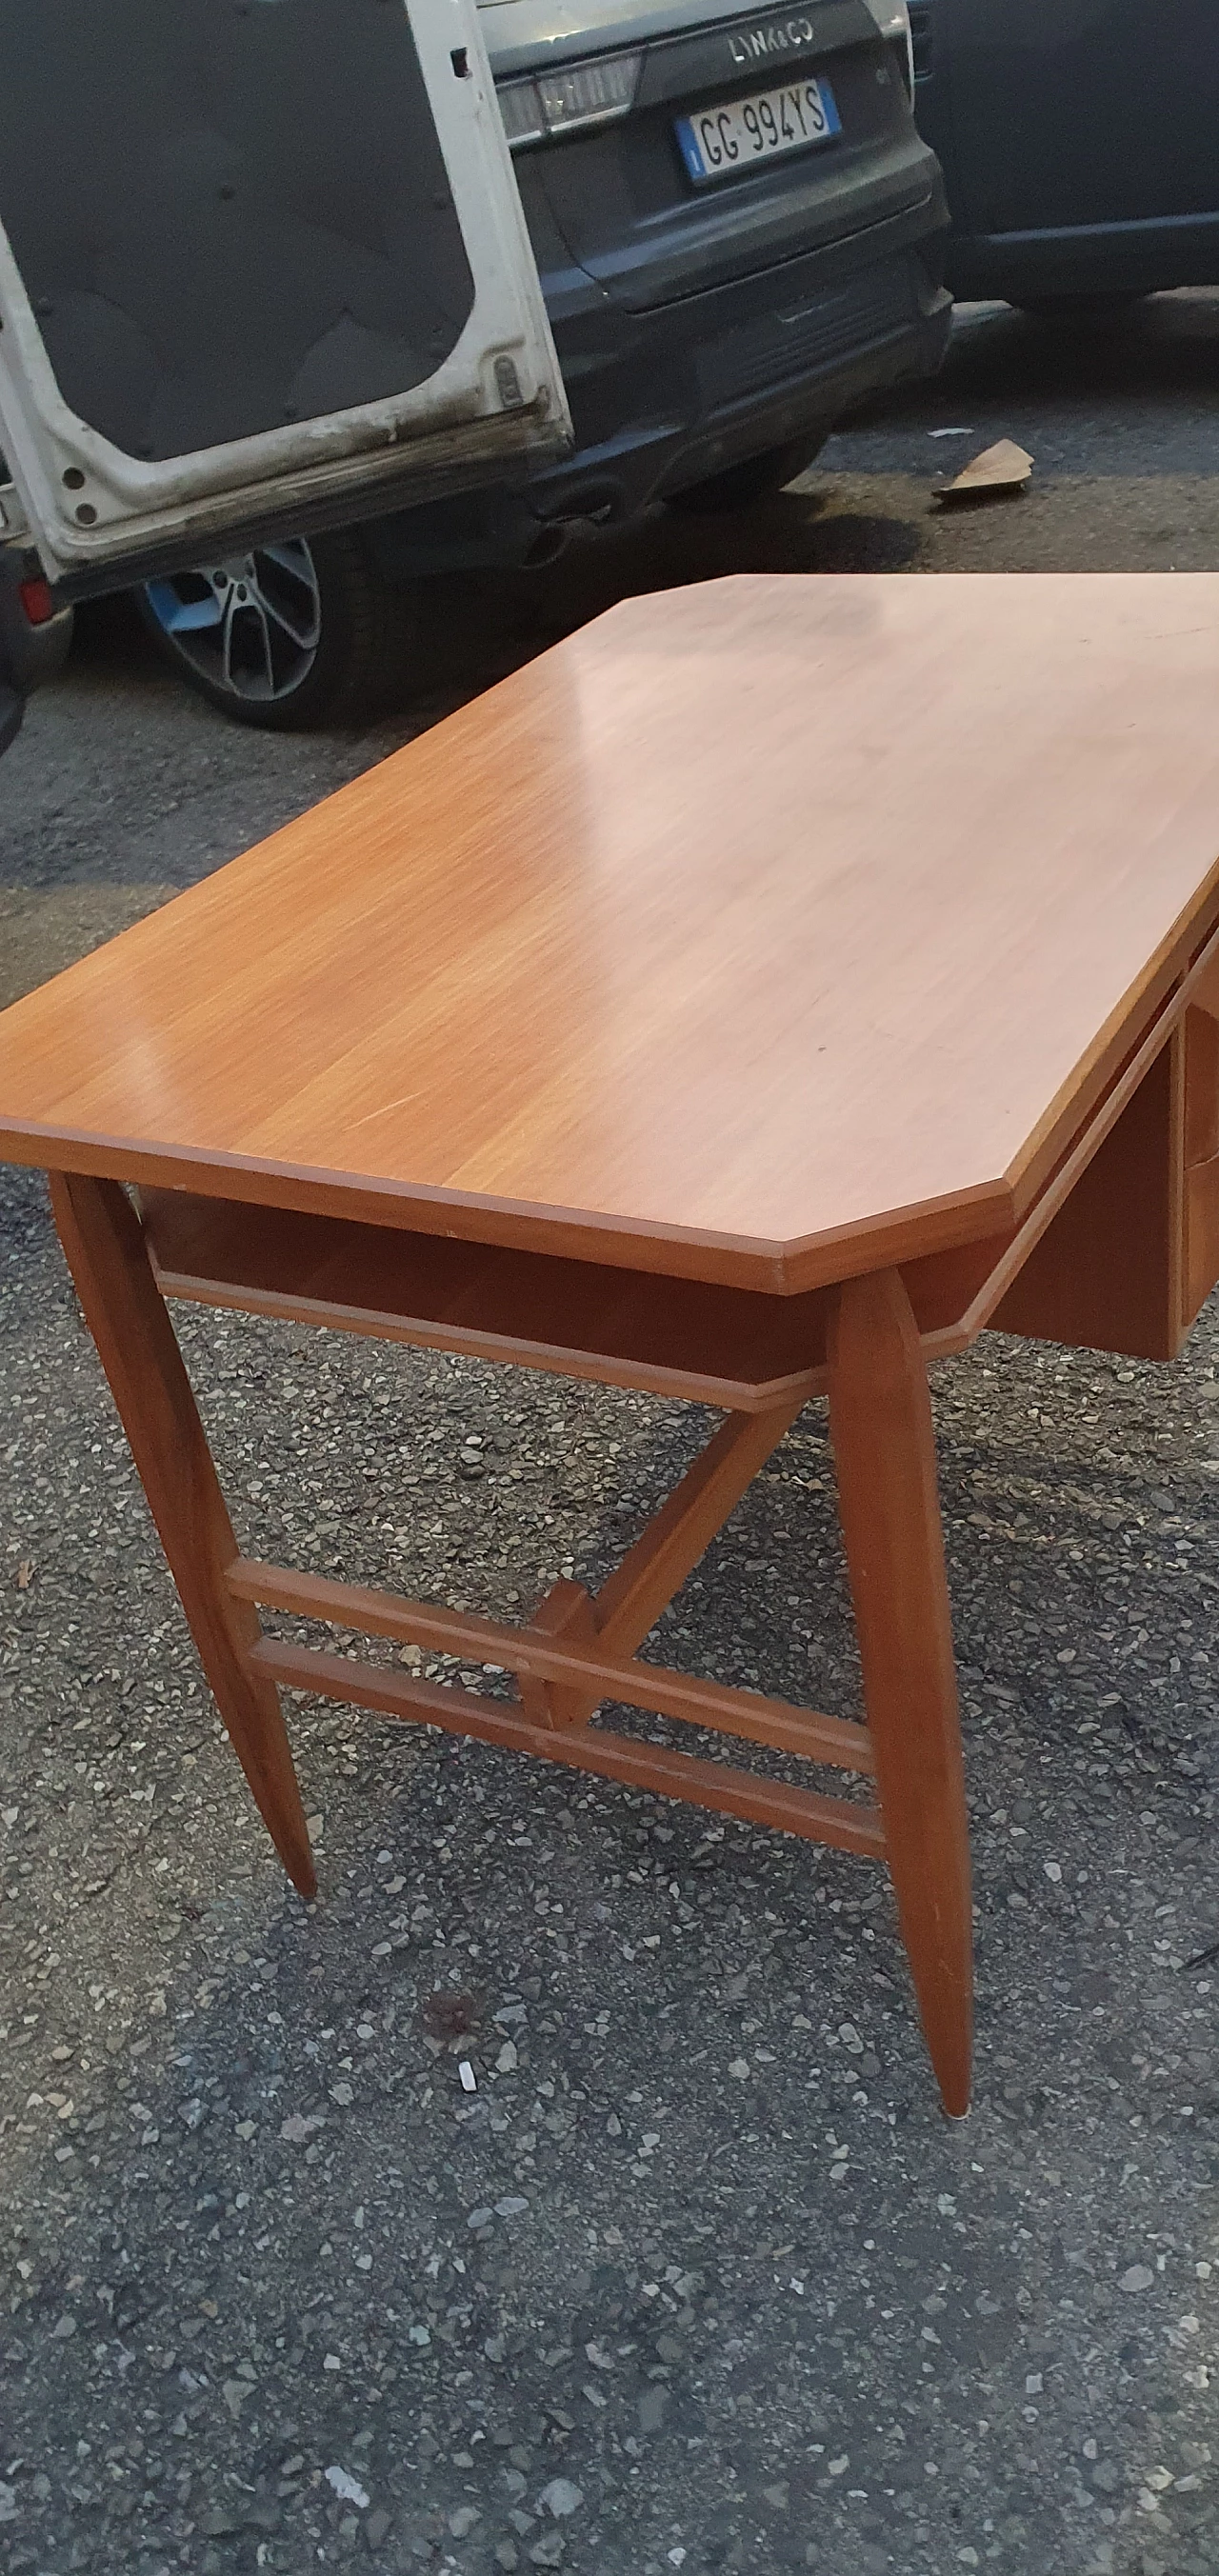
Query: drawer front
[(1201, 1235), (1106, 1274), (1200, 1266), (1133, 1254)]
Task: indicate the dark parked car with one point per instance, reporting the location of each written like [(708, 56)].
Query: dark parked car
[(739, 232), (34, 632), (1079, 141)]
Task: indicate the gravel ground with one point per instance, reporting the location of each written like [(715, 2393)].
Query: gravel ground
[(286, 2293)]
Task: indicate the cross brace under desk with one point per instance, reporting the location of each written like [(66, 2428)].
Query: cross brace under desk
[(579, 1649)]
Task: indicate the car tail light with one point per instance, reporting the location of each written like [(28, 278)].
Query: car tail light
[(35, 598), (569, 99)]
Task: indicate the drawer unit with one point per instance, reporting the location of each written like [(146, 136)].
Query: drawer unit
[(1133, 1255)]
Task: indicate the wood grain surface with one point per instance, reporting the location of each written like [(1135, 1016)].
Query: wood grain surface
[(764, 931)]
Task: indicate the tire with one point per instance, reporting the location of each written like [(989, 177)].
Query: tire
[(289, 636), (753, 479)]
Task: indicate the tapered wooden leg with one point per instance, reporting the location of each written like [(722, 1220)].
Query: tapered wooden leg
[(880, 1423), (126, 1315)]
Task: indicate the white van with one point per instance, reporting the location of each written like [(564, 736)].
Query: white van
[(263, 271)]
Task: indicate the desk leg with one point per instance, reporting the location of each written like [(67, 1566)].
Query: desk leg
[(126, 1315), (880, 1424)]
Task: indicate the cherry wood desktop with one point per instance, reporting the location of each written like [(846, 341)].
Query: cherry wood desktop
[(760, 994)]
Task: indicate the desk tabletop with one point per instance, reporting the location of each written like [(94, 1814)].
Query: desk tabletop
[(765, 931)]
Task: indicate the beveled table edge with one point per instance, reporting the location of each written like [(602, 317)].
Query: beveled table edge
[(1162, 988), (625, 1243)]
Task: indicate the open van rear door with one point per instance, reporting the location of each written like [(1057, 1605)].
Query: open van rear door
[(263, 266)]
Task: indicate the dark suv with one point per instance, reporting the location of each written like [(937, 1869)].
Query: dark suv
[(739, 233)]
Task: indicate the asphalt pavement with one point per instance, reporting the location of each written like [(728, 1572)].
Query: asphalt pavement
[(696, 2276)]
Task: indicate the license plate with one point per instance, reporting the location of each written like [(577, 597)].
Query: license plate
[(722, 142)]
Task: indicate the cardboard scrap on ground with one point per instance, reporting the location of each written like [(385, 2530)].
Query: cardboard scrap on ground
[(1002, 468)]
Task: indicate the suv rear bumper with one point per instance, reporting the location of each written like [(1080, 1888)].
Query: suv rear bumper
[(665, 398), (735, 372)]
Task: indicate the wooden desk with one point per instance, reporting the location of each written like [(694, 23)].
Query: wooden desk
[(768, 988)]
